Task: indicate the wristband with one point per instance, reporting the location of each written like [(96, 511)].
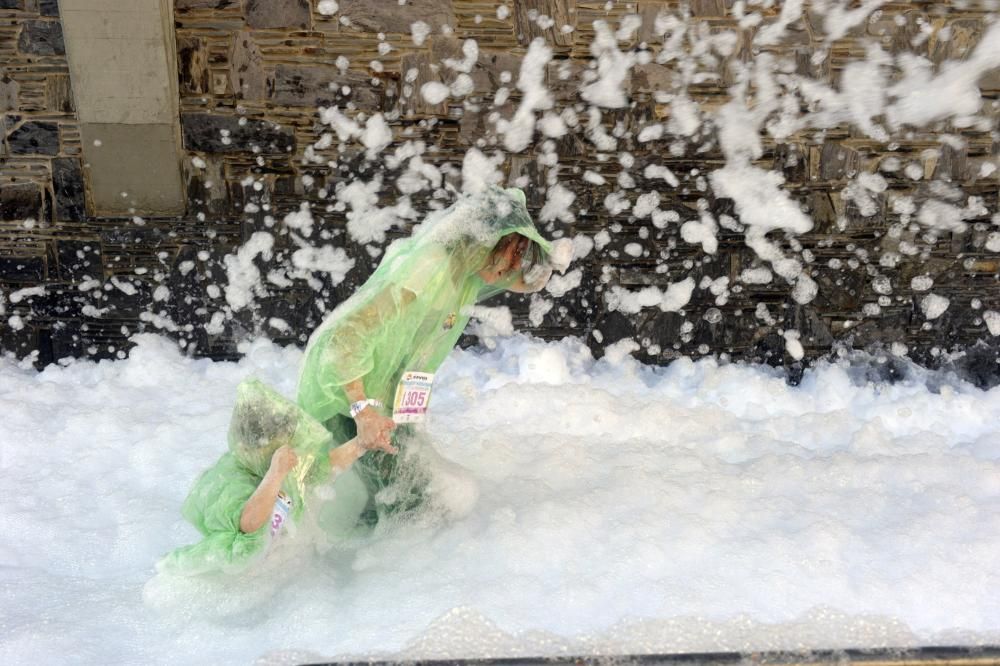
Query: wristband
[(360, 405)]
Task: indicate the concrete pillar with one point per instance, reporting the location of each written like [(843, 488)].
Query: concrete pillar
[(122, 61)]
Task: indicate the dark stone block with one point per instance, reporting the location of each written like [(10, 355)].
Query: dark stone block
[(10, 121), (311, 86), (305, 85), (770, 349), (21, 201), (822, 212), (805, 66), (23, 341), (292, 305), (67, 182), (49, 7), (129, 305), (708, 8), (889, 327), (58, 302), (131, 236), (48, 204), (78, 258), (59, 93), (837, 162), (953, 163), (246, 67), (815, 331), (9, 89), (614, 326), (965, 36), (570, 145), (647, 78), (393, 17), (277, 13), (981, 365), (203, 4), (662, 328), (211, 200), (34, 138), (562, 12), (192, 65), (224, 134), (11, 4), (22, 269), (791, 161), (41, 38), (92, 339)]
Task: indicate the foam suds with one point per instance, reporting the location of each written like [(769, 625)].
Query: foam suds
[(580, 506)]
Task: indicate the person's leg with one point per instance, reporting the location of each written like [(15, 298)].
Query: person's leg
[(259, 507), (397, 483)]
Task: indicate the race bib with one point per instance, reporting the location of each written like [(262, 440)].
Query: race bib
[(282, 507), (413, 397)]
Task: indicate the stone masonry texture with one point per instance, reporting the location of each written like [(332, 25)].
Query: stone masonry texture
[(252, 72)]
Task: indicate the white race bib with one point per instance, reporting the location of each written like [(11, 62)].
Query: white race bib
[(413, 397), (282, 507)]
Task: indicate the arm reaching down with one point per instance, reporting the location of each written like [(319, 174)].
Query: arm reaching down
[(374, 429), (345, 455)]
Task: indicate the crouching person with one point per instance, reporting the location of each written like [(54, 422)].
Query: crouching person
[(261, 487)]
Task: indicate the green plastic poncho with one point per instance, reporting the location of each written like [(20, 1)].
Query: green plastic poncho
[(414, 307), (407, 316), (410, 314), (262, 421)]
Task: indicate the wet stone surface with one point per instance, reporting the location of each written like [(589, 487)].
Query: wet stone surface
[(68, 185), (277, 13), (393, 17), (225, 134), (78, 259), (22, 269), (34, 138), (204, 4), (39, 37), (20, 202), (312, 86), (8, 93)]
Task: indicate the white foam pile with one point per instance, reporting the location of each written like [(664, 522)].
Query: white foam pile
[(592, 507)]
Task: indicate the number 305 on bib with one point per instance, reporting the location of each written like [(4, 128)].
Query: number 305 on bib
[(413, 397)]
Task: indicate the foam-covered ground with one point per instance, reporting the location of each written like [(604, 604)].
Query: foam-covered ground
[(582, 507)]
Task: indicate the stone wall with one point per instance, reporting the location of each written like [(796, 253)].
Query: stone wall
[(253, 72)]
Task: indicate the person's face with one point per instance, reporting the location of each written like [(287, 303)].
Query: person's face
[(505, 259)]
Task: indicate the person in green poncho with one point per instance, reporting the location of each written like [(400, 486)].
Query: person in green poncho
[(364, 383)]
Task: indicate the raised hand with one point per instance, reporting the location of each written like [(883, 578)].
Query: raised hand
[(375, 431), (284, 460)]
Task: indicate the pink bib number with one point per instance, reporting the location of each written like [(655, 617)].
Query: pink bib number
[(282, 507), (413, 397)]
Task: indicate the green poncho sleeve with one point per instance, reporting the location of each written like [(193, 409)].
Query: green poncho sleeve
[(214, 506)]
